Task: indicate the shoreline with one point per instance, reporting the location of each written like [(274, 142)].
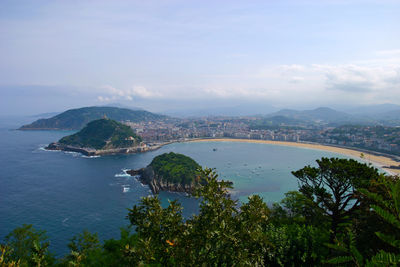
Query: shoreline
[(101, 152), (375, 158), (379, 161)]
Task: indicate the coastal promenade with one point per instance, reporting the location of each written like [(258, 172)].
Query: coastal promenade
[(377, 159)]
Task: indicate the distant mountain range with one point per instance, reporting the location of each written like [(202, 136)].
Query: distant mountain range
[(318, 115), (379, 114), (372, 109), (75, 119)]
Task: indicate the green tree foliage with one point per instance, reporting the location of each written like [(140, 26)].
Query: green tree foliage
[(387, 206), (28, 246), (333, 187), (296, 245), (102, 134), (84, 248), (5, 257), (220, 235), (297, 208), (297, 232), (176, 168)]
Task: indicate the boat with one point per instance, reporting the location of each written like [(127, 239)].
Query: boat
[(125, 189)]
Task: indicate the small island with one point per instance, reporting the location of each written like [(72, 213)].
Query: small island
[(100, 137), (170, 172)]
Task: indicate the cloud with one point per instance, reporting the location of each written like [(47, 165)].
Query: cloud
[(376, 80), (293, 67), (392, 52), (296, 79), (111, 93), (360, 78), (364, 82), (143, 92)]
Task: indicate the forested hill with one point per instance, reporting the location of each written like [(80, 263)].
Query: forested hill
[(103, 134), (171, 172), (75, 119), (175, 168)]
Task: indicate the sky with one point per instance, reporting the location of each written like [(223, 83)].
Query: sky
[(185, 55)]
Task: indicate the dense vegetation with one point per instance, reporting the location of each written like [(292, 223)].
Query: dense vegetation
[(76, 119), (103, 134), (345, 213), (176, 168)]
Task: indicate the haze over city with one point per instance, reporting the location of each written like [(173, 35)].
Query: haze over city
[(177, 56)]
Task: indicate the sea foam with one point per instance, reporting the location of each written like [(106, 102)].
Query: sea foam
[(123, 174)]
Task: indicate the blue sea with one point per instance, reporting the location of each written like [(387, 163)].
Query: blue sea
[(66, 193)]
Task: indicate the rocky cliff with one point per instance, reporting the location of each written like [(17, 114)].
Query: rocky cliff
[(156, 182), (98, 152)]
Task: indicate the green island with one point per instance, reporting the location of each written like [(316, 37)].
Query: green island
[(170, 172), (344, 213), (76, 119), (103, 136), (176, 167)]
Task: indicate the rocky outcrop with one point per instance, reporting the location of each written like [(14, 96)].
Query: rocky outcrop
[(156, 183), (94, 152)]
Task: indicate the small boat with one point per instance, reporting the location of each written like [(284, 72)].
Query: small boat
[(214, 149), (125, 189)]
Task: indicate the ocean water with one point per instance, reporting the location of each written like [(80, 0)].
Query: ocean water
[(65, 193)]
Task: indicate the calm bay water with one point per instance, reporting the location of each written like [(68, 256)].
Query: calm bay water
[(65, 193)]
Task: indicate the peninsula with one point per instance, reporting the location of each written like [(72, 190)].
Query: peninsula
[(100, 137), (170, 172)]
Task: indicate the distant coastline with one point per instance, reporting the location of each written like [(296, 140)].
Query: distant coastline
[(387, 163), (101, 152)]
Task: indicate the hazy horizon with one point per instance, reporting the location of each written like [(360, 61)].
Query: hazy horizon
[(177, 56)]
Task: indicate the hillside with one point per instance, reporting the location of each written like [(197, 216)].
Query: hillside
[(274, 122), (322, 114), (76, 119), (102, 134)]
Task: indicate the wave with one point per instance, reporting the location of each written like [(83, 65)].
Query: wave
[(64, 222), (90, 157), (123, 174), (42, 147), (74, 154)]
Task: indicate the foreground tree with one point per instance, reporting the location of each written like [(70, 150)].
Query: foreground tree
[(220, 235), (333, 187), (227, 233), (28, 247), (387, 207)]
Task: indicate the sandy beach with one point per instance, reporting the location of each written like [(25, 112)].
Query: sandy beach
[(377, 161)]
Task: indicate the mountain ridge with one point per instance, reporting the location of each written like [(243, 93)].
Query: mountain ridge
[(76, 119)]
